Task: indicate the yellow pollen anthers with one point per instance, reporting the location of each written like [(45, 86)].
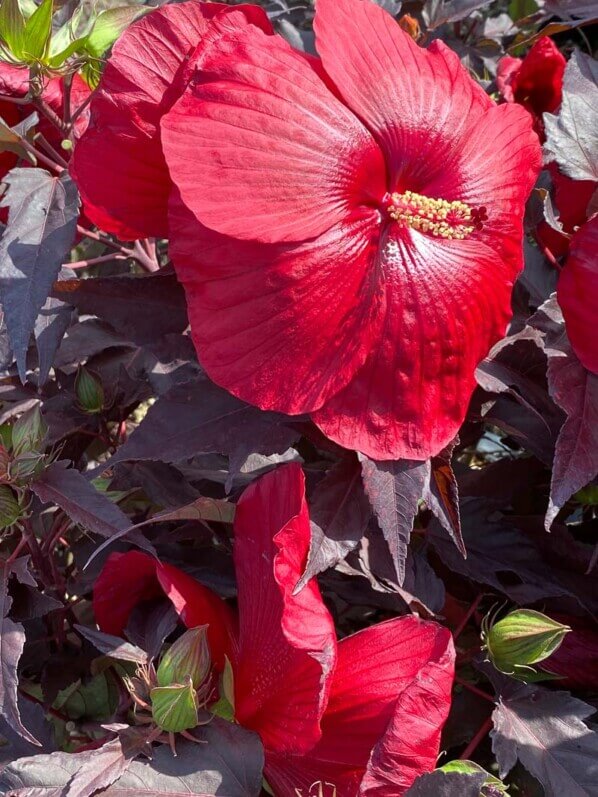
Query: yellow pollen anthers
[(438, 217)]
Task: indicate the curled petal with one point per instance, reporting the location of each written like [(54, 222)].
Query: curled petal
[(130, 578), (277, 155), (144, 76), (287, 642)]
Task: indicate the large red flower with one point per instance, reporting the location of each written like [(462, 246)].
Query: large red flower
[(536, 81), (348, 230), (364, 714), (129, 193)]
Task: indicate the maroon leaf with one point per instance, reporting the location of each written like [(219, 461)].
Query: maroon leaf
[(574, 390), (448, 784), (395, 490), (113, 646), (142, 309), (340, 513), (199, 417), (228, 762), (546, 732), (12, 642), (79, 499)]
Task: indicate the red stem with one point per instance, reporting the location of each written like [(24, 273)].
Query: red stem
[(477, 739), (94, 261), (468, 615), (473, 689)]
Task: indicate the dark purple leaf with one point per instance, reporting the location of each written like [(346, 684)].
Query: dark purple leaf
[(447, 784), (572, 135), (142, 309), (439, 12), (150, 624), (340, 513), (496, 550), (113, 646), (50, 326), (545, 730), (80, 500), (163, 484), (32, 714), (575, 391), (41, 227), (12, 642), (199, 417), (228, 763), (395, 490)]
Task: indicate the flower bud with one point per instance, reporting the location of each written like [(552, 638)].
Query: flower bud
[(10, 510), (174, 708), (521, 639), (89, 390), (188, 657), (29, 431)]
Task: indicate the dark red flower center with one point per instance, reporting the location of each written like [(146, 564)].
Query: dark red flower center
[(437, 217)]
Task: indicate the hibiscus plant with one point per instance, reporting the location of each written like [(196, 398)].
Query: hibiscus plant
[(299, 398)]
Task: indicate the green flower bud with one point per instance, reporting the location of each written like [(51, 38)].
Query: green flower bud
[(89, 390), (29, 431), (188, 657), (10, 510), (4, 463), (521, 639), (174, 708)]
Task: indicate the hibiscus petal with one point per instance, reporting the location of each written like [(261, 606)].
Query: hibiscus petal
[(376, 668), (287, 643), (577, 293), (130, 578), (118, 165), (281, 327), (410, 745), (290, 776), (447, 302), (416, 102), (262, 150)]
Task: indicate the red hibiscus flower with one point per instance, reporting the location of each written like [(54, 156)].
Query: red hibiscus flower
[(364, 216), (536, 81), (130, 193), (364, 713), (577, 293)]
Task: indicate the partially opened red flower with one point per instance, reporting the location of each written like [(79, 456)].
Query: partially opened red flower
[(118, 165), (536, 81), (348, 230), (364, 714), (577, 293), (571, 199)]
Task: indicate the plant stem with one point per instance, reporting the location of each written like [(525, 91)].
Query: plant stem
[(51, 151), (94, 261), (473, 689), (468, 615), (477, 739)]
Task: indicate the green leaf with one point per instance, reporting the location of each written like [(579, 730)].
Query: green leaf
[(108, 27), (12, 26), (174, 708), (38, 31), (225, 706)]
